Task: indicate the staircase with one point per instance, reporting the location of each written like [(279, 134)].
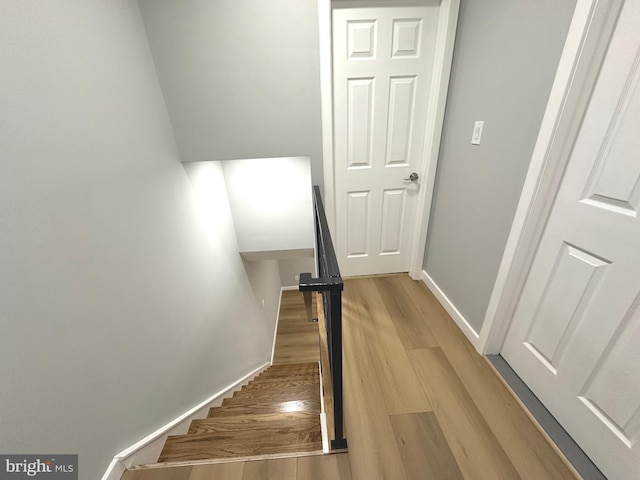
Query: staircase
[(277, 413)]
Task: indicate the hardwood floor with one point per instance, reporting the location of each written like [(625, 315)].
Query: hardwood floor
[(420, 403), (276, 413), (297, 337), (325, 467)]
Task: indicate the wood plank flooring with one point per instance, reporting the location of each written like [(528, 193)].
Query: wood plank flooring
[(325, 467), (297, 337), (420, 403), (284, 435), (276, 413), (423, 447)]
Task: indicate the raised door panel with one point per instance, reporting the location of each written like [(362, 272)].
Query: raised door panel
[(614, 182), (406, 37), (360, 107), (361, 39), (400, 122), (612, 391), (574, 278), (358, 211), (393, 204)]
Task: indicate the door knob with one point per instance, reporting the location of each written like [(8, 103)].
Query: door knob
[(413, 177)]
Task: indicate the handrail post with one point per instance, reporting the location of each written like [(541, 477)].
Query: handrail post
[(335, 305), (308, 306)]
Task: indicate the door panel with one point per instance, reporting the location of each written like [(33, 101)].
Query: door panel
[(383, 60), (361, 38), (617, 371), (392, 214), (360, 115), (358, 223), (400, 120), (575, 336), (574, 277), (614, 183), (406, 37)]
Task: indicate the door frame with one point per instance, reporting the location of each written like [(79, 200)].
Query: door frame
[(443, 55), (587, 41)]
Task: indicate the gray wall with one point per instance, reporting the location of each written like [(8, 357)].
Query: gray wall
[(291, 267), (123, 301), (505, 59), (240, 77), (264, 276)]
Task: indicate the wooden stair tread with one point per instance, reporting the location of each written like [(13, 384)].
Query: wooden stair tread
[(263, 421), (287, 377), (276, 413), (303, 391), (266, 407), (276, 381), (293, 366), (290, 370), (265, 398), (298, 437), (279, 380)]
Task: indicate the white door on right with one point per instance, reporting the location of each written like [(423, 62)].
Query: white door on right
[(575, 336)]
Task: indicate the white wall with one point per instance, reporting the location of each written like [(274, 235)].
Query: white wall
[(123, 301), (504, 63), (272, 206), (240, 77)]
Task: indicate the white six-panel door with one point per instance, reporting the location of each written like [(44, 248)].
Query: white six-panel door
[(383, 60), (575, 336)]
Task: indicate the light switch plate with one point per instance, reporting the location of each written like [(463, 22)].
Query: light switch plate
[(477, 132)]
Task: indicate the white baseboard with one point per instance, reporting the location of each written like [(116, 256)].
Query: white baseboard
[(451, 309), (290, 287), (275, 331), (148, 449), (323, 416), (326, 446)]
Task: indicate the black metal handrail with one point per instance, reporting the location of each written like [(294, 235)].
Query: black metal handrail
[(329, 284)]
